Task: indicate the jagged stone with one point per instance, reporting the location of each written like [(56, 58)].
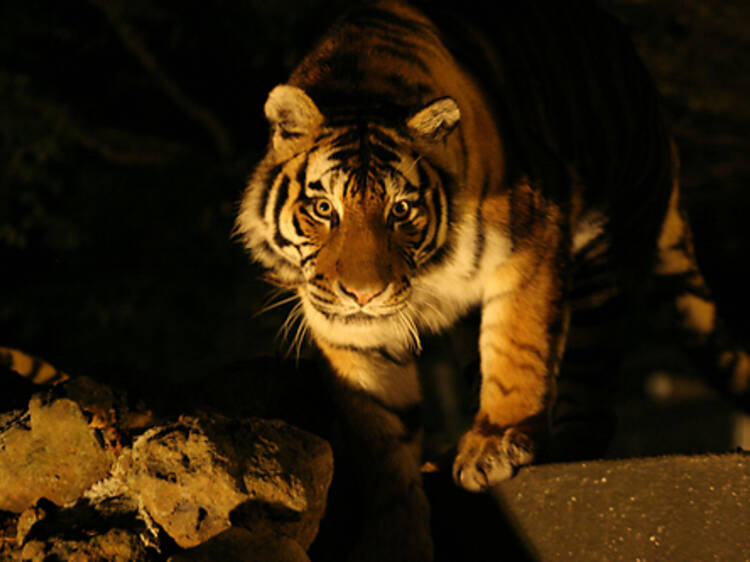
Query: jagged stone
[(8, 526), (183, 482), (191, 476), (294, 476), (27, 520), (108, 407), (115, 545), (65, 464), (240, 545), (49, 451), (45, 522)]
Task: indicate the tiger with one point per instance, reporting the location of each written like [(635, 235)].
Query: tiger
[(32, 368), (427, 159)]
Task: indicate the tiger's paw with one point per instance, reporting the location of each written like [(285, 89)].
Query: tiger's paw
[(486, 458)]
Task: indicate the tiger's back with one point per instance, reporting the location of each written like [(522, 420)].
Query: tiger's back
[(423, 162)]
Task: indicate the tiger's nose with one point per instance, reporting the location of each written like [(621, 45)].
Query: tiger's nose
[(361, 295)]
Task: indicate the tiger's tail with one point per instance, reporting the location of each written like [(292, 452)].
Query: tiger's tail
[(31, 368), (704, 338)]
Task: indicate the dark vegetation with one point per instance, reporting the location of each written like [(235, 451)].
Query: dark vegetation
[(128, 129)]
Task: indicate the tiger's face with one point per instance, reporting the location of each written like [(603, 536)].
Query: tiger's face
[(348, 215)]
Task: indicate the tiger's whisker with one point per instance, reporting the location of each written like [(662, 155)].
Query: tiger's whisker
[(276, 304), (407, 322), (436, 309), (299, 338), (294, 315), (413, 164)]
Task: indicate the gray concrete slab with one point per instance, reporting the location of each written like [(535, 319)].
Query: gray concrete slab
[(662, 508)]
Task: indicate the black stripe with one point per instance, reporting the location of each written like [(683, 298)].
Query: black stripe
[(297, 227), (347, 185), (316, 188), (326, 314), (58, 377), (385, 155), (594, 245), (408, 187), (36, 366), (345, 154), (439, 256), (322, 288), (408, 257), (383, 138), (480, 241), (283, 194), (465, 158), (422, 236), (307, 213), (310, 257), (302, 174), (437, 218), (323, 136), (270, 179), (347, 137), (322, 299)]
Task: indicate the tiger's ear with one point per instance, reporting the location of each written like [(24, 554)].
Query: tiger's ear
[(434, 121), (292, 114)]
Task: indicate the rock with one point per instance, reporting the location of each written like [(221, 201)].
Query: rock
[(49, 451), (240, 545), (87, 476), (184, 484), (294, 476), (8, 525), (27, 520), (115, 545), (45, 521), (197, 476)]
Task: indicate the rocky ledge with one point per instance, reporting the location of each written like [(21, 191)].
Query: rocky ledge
[(86, 476), (208, 472)]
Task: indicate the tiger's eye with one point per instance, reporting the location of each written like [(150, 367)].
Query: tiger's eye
[(323, 208), (401, 209)]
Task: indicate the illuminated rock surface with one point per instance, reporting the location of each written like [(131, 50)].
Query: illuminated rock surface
[(32, 444), (87, 477)]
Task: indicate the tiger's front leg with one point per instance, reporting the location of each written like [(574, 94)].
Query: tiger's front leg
[(524, 320), (378, 399)]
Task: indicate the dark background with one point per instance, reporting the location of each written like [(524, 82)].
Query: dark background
[(128, 130)]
